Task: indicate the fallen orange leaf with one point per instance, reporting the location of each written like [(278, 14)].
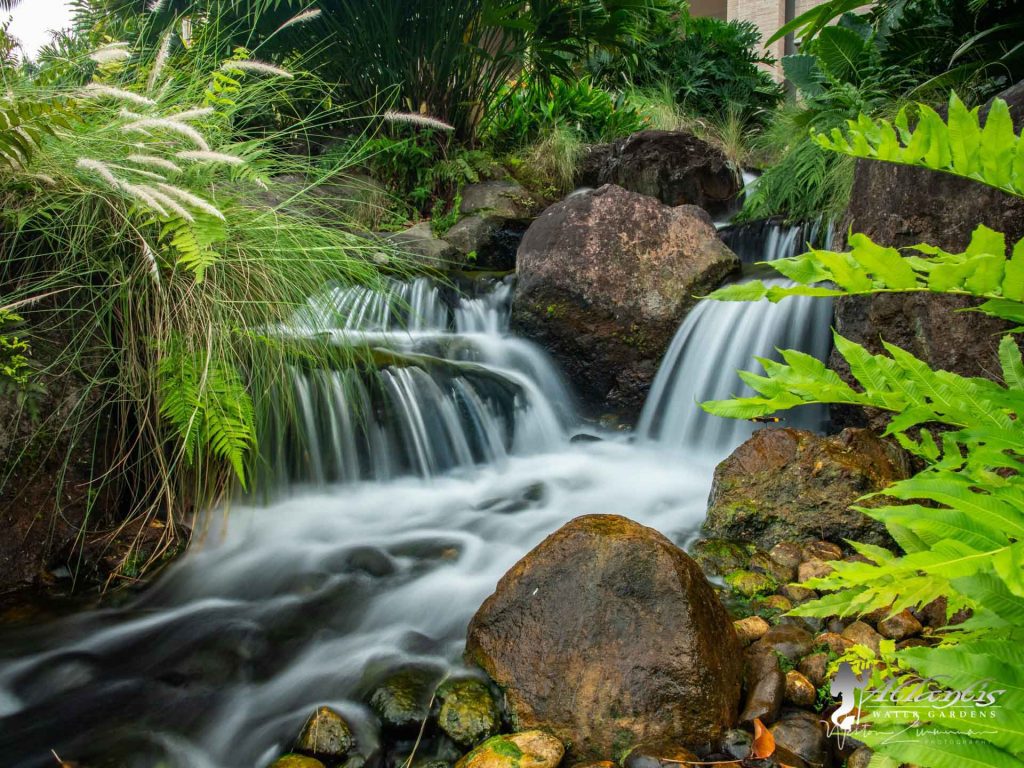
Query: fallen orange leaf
[(764, 742)]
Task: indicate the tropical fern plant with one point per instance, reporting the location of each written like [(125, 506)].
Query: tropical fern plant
[(960, 521)]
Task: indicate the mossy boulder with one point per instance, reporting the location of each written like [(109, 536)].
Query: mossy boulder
[(751, 583), (792, 485), (325, 735), (608, 635), (605, 277), (528, 749), (717, 557), (468, 711), (296, 761)]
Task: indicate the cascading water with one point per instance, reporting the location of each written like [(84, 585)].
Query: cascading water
[(410, 491), (717, 339)]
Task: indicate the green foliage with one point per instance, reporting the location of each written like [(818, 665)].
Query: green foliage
[(530, 110), (207, 403), (710, 66), (13, 363), (960, 521), (992, 153)]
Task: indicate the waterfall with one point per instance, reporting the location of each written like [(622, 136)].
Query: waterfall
[(717, 339), (468, 394)]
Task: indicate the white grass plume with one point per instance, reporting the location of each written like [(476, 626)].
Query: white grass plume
[(154, 267), (171, 204), (299, 18), (109, 54), (257, 67), (127, 114), (154, 162), (171, 126), (211, 157), (188, 198), (413, 118), (142, 195), (99, 91), (157, 5), (196, 113), (160, 61), (101, 170)]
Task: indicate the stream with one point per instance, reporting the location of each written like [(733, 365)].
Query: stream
[(401, 497)]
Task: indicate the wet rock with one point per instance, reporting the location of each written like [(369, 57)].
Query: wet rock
[(673, 166), (750, 583), (800, 692), (750, 629), (658, 756), (325, 735), (354, 761), (608, 635), (837, 624), (765, 684), (765, 563), (798, 594), (793, 485), (788, 640), (487, 242), (296, 761), (899, 626), (804, 739), (717, 557), (933, 614), (815, 668), (605, 277), (821, 550), (469, 713), (503, 200), (836, 644), (528, 749), (787, 554), (420, 242), (402, 700), (813, 569), (898, 206), (861, 758), (597, 764), (862, 634), (775, 604), (737, 743)]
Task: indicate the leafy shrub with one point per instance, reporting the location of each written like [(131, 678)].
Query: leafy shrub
[(529, 110), (959, 521), (710, 66)]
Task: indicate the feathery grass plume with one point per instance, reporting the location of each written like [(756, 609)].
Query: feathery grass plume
[(171, 126), (160, 61), (142, 195), (99, 91), (157, 6), (44, 178), (111, 53), (127, 114), (299, 18), (257, 67), (210, 157), (171, 204), (154, 162), (189, 199), (141, 172), (412, 118), (101, 170), (154, 268), (195, 113)]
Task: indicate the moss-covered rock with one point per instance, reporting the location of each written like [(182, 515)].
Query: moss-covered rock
[(751, 583), (528, 749), (296, 761), (402, 700), (469, 713), (717, 557), (325, 735)]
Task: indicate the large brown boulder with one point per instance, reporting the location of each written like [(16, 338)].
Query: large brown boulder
[(605, 277), (674, 166), (608, 636), (793, 485), (897, 205)]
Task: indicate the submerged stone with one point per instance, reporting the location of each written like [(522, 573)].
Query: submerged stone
[(402, 700), (468, 712), (296, 761)]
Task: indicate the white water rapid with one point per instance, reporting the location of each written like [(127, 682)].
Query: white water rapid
[(404, 495)]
